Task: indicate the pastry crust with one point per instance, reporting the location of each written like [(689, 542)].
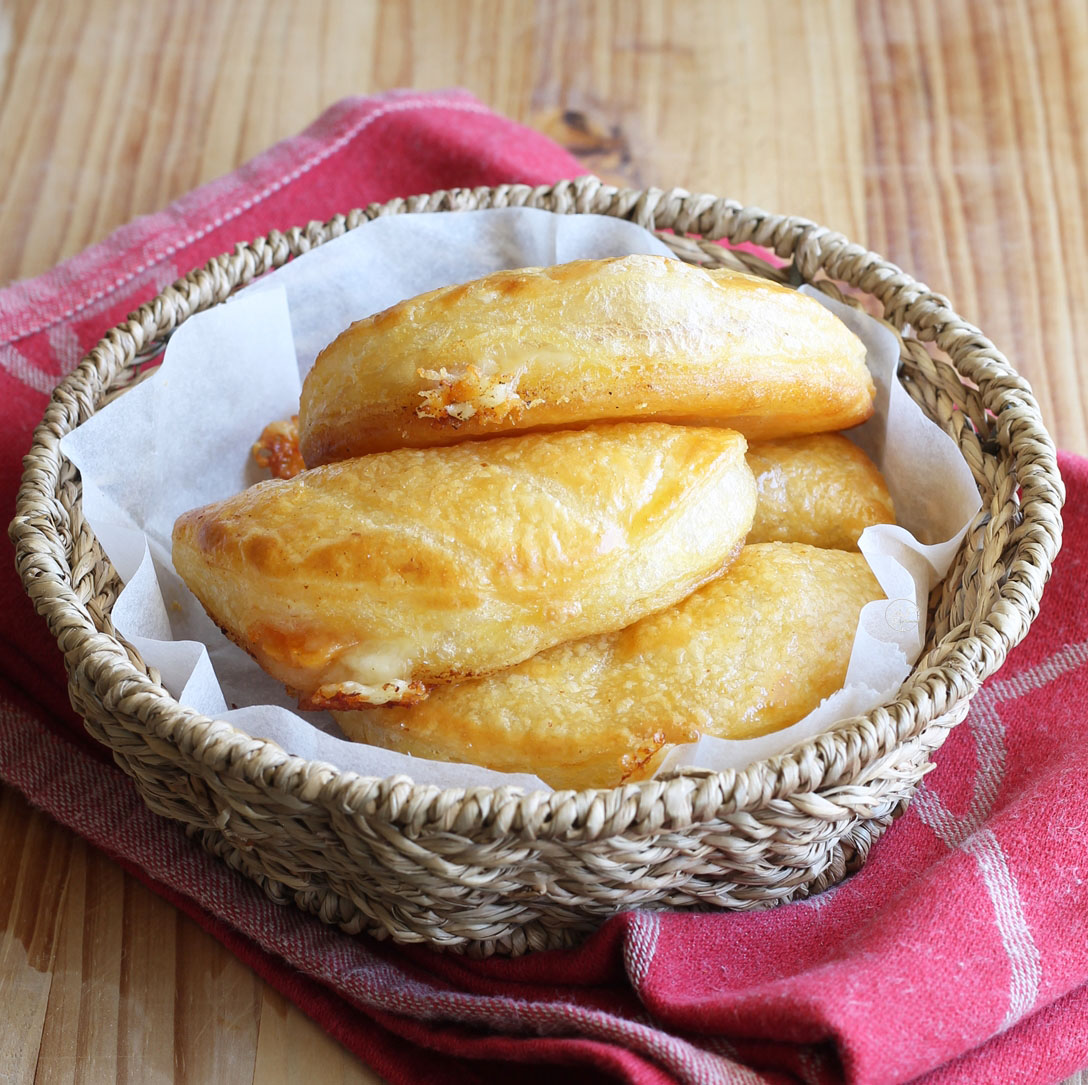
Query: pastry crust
[(372, 579), (276, 450), (749, 653), (821, 490), (635, 337)]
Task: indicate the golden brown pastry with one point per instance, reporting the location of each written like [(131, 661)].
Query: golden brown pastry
[(594, 340), (749, 653), (276, 450), (821, 490), (372, 579)]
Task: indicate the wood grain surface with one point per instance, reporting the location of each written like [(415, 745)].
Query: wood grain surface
[(949, 135)]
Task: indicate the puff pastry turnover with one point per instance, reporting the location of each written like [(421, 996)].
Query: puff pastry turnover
[(370, 580), (595, 340), (749, 653), (821, 490)]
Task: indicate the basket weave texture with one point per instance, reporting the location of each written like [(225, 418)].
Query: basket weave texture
[(486, 870)]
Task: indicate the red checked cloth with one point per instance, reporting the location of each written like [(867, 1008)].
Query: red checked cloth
[(959, 954)]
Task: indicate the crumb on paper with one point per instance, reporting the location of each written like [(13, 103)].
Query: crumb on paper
[(277, 451)]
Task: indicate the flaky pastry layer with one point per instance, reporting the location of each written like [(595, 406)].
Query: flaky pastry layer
[(373, 579), (635, 337), (749, 653)]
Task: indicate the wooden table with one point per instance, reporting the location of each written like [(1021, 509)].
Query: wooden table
[(950, 136)]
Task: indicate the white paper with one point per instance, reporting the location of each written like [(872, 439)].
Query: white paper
[(181, 439)]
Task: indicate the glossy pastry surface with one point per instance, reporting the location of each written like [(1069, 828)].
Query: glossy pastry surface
[(372, 579), (595, 340), (749, 653), (821, 490)]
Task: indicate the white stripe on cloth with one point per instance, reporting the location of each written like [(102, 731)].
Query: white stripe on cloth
[(969, 831), (19, 366), (65, 350), (1024, 959), (639, 949)]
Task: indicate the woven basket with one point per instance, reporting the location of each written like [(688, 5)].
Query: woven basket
[(495, 870)]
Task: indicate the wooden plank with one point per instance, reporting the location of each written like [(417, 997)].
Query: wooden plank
[(146, 1023), (216, 1010), (976, 169), (80, 1038), (29, 872), (291, 1048)]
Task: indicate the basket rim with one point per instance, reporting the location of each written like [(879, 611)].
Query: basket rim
[(936, 690)]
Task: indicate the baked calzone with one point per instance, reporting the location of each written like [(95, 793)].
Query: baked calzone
[(373, 579), (634, 337), (822, 490), (749, 653)]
